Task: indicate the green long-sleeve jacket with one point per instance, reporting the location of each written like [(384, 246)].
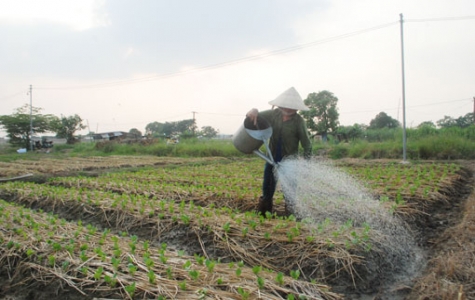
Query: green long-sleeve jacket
[(292, 132)]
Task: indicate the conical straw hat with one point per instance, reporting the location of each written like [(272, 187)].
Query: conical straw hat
[(289, 99)]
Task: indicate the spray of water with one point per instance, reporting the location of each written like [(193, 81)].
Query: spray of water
[(317, 191)]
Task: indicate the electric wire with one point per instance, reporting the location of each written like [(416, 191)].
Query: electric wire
[(442, 19), (257, 56), (13, 95), (253, 58), (408, 107), (227, 63)]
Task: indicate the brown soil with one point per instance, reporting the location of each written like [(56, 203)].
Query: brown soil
[(445, 231)]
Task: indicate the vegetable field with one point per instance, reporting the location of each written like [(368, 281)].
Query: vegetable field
[(174, 228)]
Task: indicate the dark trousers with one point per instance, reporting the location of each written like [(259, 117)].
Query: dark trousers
[(269, 184)]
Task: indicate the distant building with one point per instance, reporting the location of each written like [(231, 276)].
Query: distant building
[(110, 136), (224, 137)]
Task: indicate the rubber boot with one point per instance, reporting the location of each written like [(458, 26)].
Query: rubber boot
[(265, 205), (289, 209)]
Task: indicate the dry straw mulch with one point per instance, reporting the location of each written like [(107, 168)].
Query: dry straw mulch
[(278, 244), (327, 258), (40, 249), (451, 271), (54, 166)]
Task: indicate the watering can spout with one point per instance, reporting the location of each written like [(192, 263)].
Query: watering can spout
[(265, 157)]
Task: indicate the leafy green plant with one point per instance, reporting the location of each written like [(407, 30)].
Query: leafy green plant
[(244, 294), (194, 274), (199, 259), (256, 269), (51, 260), (30, 252), (227, 227), (132, 269), (295, 274), (112, 281), (182, 285), (187, 265), (163, 258), (151, 276), (130, 289), (98, 273), (260, 282), (210, 264), (244, 231)]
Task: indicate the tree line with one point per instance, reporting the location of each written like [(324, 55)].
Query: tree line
[(184, 128), (322, 119), (27, 121)]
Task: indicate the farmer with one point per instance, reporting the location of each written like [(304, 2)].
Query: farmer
[(288, 129)]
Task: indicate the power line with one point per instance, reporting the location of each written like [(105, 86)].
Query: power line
[(442, 102), (13, 95), (226, 63), (412, 106), (441, 19), (221, 114), (252, 57)]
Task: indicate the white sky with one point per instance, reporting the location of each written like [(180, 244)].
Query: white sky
[(123, 64)]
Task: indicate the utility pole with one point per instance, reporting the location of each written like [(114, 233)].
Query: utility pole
[(403, 93), (473, 110), (194, 123), (31, 117), (89, 129)]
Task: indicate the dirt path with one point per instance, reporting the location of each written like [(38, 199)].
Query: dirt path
[(450, 273)]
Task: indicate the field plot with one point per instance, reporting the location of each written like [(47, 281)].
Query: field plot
[(186, 229), (51, 166)]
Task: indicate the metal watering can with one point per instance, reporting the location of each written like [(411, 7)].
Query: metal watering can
[(249, 138)]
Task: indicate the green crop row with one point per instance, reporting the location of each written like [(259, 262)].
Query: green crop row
[(229, 233), (417, 183), (100, 262)]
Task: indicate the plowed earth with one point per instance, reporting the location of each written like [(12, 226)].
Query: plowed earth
[(444, 228)]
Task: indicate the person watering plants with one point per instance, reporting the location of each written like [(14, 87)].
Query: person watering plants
[(288, 130)]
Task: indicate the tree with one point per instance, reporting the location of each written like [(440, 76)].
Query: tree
[(208, 132), (382, 120), (184, 127), (135, 133), (462, 121), (17, 125), (66, 127), (427, 128), (465, 121), (446, 122), (154, 129), (322, 116), (426, 124), (357, 131)]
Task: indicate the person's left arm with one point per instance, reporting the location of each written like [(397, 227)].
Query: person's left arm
[(305, 140)]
